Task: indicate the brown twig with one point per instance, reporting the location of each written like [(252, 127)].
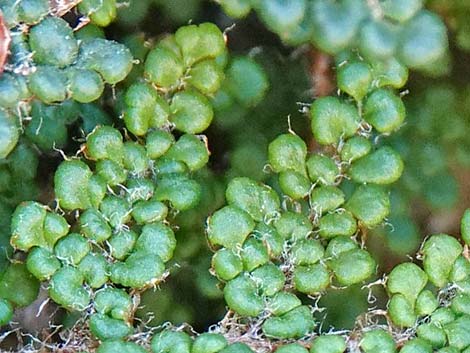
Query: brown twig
[(5, 40)]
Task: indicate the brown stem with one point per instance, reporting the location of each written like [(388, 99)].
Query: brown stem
[(321, 73), (322, 81), (5, 40)]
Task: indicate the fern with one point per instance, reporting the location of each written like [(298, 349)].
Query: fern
[(282, 237)]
